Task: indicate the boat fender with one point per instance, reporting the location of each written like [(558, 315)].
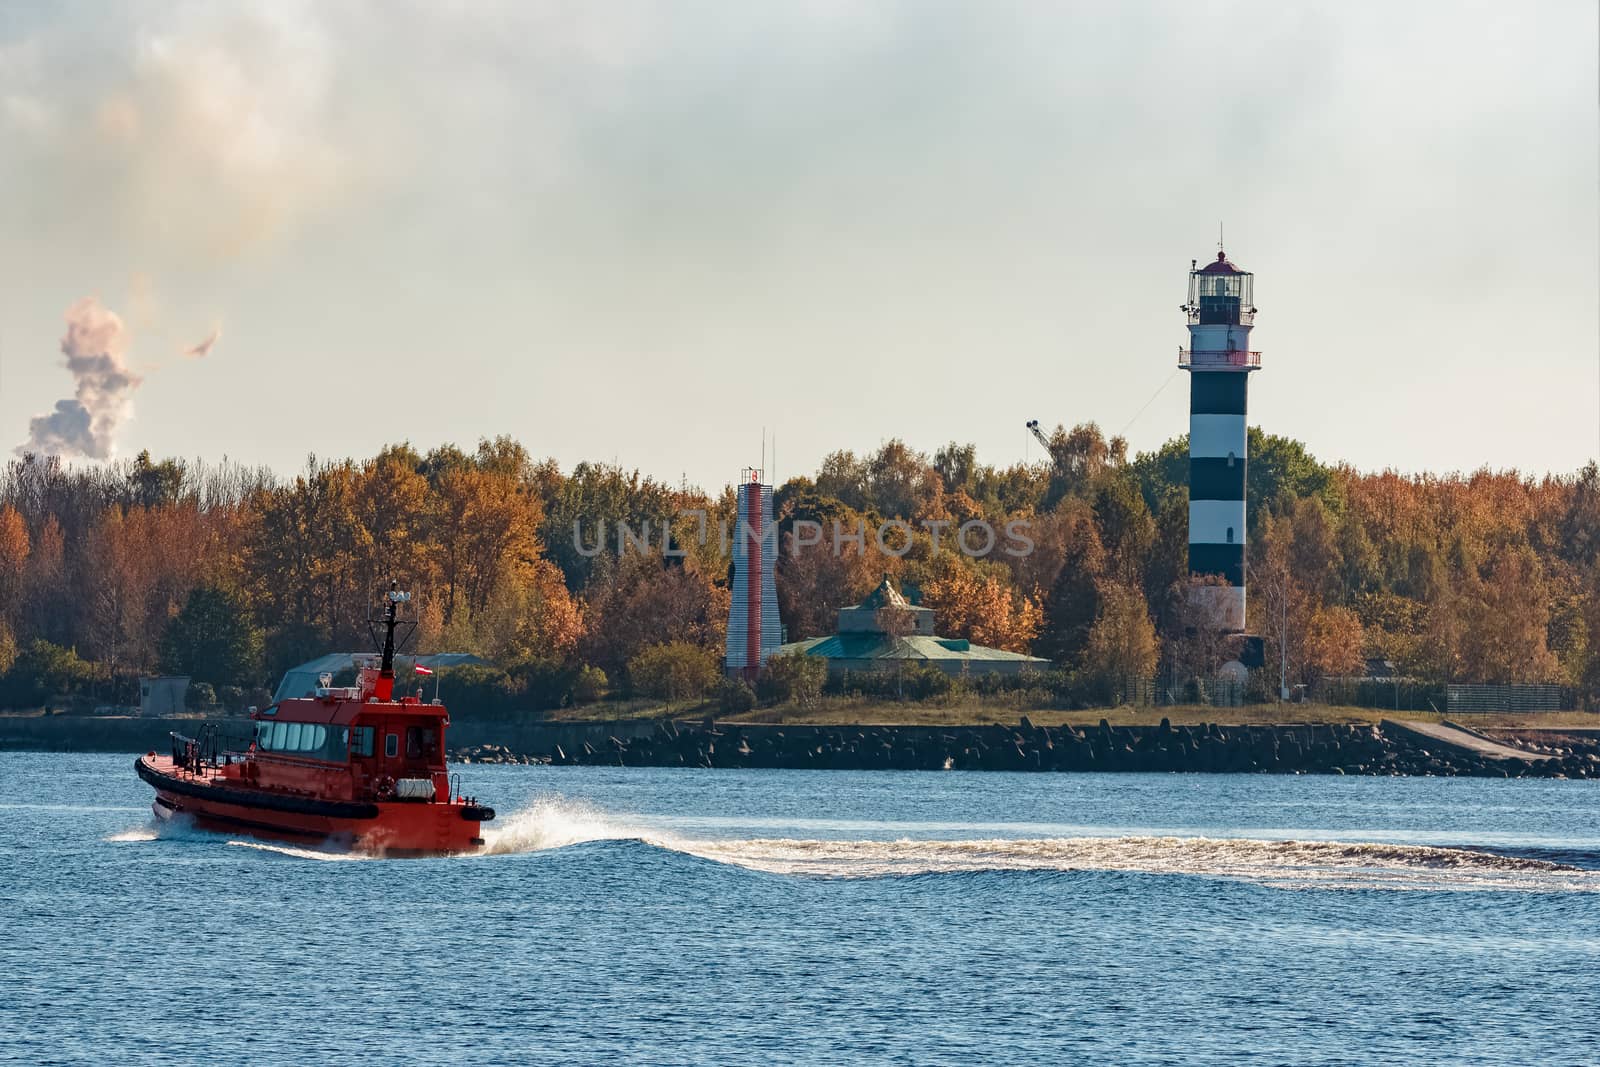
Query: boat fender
[(477, 813)]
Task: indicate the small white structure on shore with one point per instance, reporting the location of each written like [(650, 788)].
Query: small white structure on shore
[(163, 697)]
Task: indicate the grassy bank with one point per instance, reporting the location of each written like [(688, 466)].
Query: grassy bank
[(856, 711)]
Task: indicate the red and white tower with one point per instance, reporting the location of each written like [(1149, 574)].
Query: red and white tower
[(754, 631)]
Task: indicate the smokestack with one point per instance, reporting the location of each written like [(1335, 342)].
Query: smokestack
[(87, 423)]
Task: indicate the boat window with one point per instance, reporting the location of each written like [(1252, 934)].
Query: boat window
[(361, 743), (391, 745), (291, 741), (280, 731), (312, 738)]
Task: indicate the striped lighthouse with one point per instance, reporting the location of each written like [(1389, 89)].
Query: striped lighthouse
[(1221, 312), (754, 633)]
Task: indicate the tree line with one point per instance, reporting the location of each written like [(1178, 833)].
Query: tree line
[(231, 574)]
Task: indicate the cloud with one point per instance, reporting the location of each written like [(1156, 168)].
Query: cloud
[(86, 423), (197, 129)]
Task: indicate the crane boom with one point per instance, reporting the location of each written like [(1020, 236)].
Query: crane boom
[(1033, 427)]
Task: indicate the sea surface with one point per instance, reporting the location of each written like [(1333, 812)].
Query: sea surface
[(658, 916)]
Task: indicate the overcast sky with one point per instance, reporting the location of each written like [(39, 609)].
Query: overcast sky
[(643, 232)]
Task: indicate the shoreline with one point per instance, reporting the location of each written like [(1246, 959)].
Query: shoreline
[(1384, 747)]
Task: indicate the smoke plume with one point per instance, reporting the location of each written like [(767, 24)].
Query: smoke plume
[(86, 424), (203, 349)]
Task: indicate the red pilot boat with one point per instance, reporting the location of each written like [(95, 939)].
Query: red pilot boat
[(354, 767)]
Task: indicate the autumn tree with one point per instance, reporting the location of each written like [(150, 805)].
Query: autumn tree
[(1078, 456), (1332, 644), (1314, 555), (529, 615), (47, 608), (1126, 528), (1505, 616), (1122, 642), (1488, 576), (981, 607), (1168, 561), (637, 600), (817, 574), (213, 639), (1073, 601), (673, 670), (391, 508), (582, 516), (14, 549)]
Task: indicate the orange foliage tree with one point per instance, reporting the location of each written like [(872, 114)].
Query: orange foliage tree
[(981, 607)]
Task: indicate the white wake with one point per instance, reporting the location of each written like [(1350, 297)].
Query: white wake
[(1283, 864), (553, 822)]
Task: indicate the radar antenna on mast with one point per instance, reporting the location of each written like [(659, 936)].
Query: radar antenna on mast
[(390, 621)]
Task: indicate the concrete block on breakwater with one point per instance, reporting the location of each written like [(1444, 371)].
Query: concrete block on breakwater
[(1305, 748)]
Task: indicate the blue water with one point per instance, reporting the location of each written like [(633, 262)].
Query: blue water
[(658, 916)]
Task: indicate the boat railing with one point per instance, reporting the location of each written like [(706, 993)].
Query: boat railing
[(209, 749)]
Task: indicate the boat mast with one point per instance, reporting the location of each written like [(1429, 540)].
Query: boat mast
[(394, 598)]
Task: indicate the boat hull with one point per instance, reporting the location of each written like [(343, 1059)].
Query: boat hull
[(387, 828)]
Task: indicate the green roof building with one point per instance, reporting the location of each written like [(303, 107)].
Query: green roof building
[(884, 631)]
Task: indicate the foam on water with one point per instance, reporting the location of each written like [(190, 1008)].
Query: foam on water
[(300, 853), (554, 822), (143, 833), (1282, 864), (182, 828), (174, 828)]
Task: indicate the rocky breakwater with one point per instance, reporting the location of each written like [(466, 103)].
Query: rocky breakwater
[(1315, 748), (1575, 753)]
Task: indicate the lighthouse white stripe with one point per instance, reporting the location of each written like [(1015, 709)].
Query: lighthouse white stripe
[(1210, 521), (1216, 435)]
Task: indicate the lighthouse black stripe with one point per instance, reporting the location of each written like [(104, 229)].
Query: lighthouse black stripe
[(1217, 392), (1226, 560), (1213, 478)]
